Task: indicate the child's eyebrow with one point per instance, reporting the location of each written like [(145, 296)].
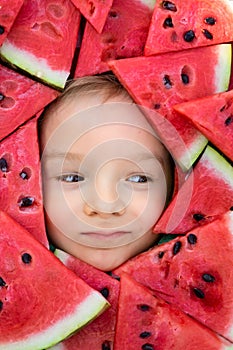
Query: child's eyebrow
[(64, 156)]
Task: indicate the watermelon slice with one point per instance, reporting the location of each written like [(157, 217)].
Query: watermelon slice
[(213, 116), (41, 301), (100, 333), (124, 35), (139, 327), (8, 12), (194, 273), (161, 81), (43, 38), (20, 180), (20, 99), (95, 11), (207, 194), (178, 25)]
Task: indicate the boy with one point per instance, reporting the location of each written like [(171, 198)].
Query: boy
[(106, 176)]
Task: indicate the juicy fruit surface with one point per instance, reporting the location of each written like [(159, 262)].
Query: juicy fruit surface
[(123, 36), (8, 12), (95, 11), (101, 331), (139, 327), (213, 116), (190, 272), (20, 180), (20, 99), (43, 23), (179, 25), (30, 274), (158, 85), (206, 194)]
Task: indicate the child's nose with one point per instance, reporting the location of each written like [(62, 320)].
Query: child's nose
[(90, 211)]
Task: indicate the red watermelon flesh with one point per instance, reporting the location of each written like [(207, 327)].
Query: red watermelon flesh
[(159, 82), (99, 334), (124, 35), (194, 273), (213, 116), (8, 12), (95, 11), (20, 180), (41, 301), (178, 25), (205, 195), (43, 38), (20, 99), (147, 322)]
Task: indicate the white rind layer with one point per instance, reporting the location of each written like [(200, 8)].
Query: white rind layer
[(223, 68), (218, 165), (37, 67), (84, 313), (149, 3)]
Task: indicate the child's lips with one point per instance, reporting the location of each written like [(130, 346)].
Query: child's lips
[(106, 234)]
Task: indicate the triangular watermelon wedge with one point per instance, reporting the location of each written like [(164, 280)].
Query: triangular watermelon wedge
[(124, 35), (95, 11), (20, 180), (41, 301), (20, 99), (213, 116), (42, 40), (194, 273), (159, 82), (147, 322), (8, 12), (178, 25), (206, 194), (99, 334)]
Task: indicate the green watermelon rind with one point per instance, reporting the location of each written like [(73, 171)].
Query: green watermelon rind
[(37, 67), (85, 312), (219, 166)]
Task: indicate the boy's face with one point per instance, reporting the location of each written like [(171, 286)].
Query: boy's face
[(104, 180)]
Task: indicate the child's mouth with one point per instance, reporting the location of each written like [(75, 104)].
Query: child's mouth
[(103, 235)]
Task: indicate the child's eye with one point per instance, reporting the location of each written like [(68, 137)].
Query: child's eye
[(138, 178), (71, 178)]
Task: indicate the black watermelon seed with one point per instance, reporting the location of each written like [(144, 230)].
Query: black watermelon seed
[(2, 30), (157, 106), (106, 345), (1, 305), (26, 258), (168, 23), (1, 97), (192, 239), (176, 247), (207, 34), (23, 175), (143, 307), (229, 120), (185, 78), (199, 293), (2, 282), (3, 165), (111, 274), (160, 255), (198, 216), (189, 36), (170, 6), (208, 278), (145, 335), (210, 20), (167, 82), (105, 292), (26, 202), (148, 346), (231, 208)]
